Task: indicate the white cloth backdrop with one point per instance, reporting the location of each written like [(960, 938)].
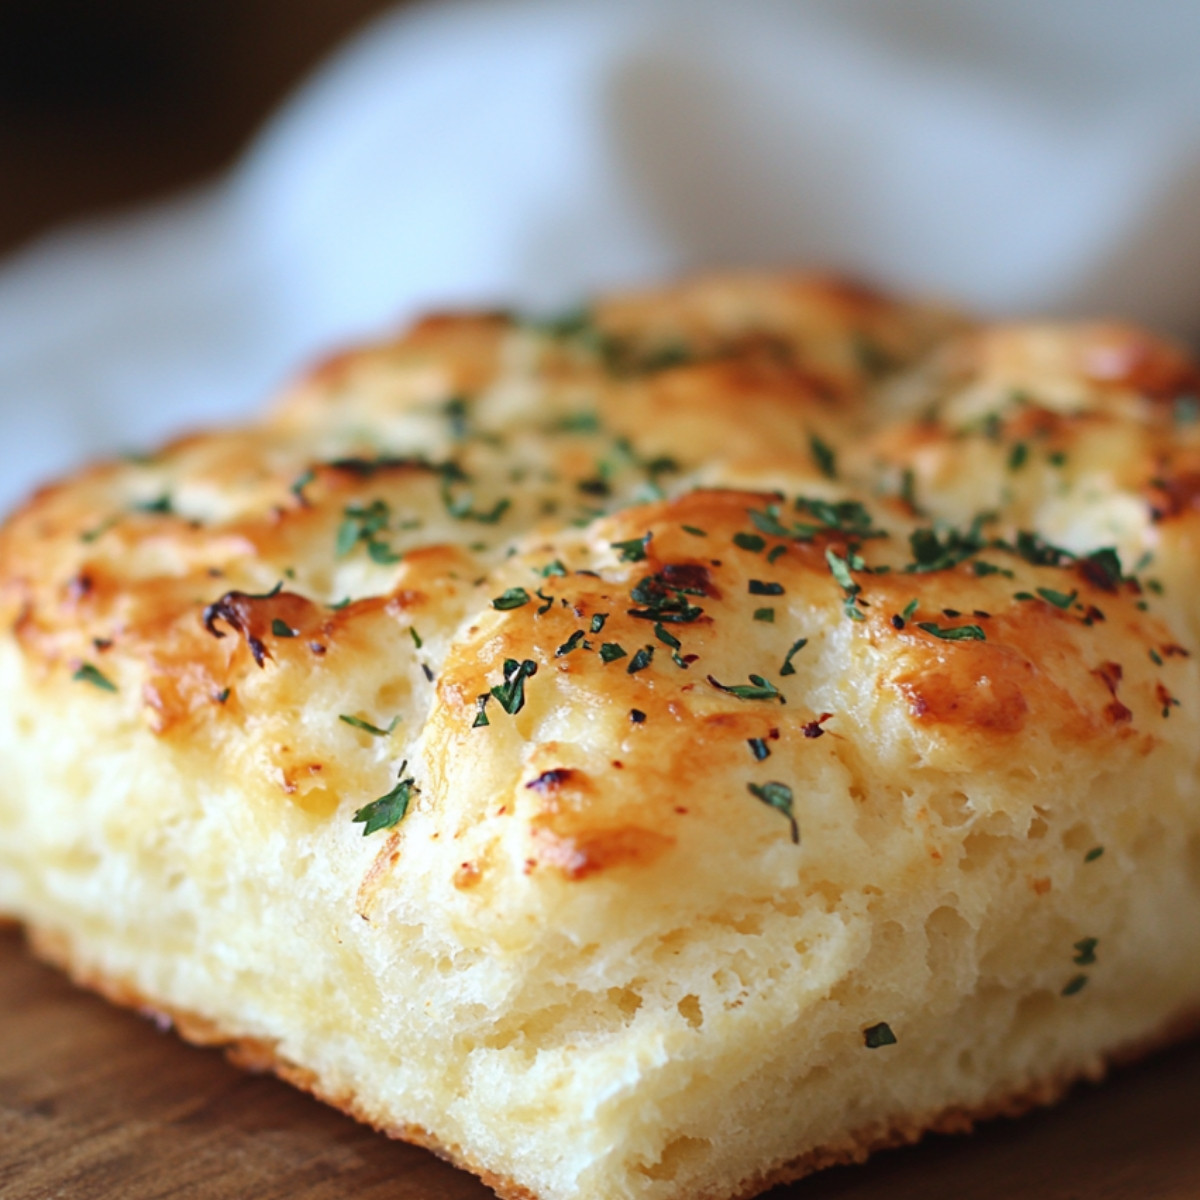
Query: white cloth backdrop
[(1039, 155)]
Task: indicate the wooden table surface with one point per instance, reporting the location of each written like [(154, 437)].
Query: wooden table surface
[(96, 1104)]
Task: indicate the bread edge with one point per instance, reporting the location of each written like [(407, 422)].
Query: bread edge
[(259, 1055)]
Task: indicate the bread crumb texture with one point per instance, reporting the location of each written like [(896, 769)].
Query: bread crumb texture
[(646, 753)]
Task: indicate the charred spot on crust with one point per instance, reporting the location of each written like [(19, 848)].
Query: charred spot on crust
[(550, 780), (1111, 674), (252, 615)]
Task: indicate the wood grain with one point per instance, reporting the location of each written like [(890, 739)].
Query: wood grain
[(96, 1104)]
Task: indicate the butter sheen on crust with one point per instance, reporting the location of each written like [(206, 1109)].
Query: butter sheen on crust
[(772, 661)]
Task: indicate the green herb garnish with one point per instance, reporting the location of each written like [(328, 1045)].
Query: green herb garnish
[(760, 588), (1085, 952), (875, 1036), (572, 643), (610, 652), (1062, 600), (757, 689), (161, 506), (280, 628), (823, 456), (1075, 985), (366, 525), (765, 614), (633, 550), (389, 809), (749, 541), (640, 660), (779, 797), (797, 646), (511, 693), (513, 597), (954, 633), (367, 727), (86, 673)]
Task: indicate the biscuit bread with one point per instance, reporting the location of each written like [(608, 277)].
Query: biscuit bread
[(649, 753)]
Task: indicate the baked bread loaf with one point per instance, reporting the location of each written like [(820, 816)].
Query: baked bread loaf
[(651, 753)]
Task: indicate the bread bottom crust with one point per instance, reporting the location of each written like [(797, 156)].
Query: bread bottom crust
[(260, 1055)]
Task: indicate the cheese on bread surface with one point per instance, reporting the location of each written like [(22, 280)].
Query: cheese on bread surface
[(770, 709)]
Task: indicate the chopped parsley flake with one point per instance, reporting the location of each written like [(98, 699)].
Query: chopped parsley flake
[(389, 809), (875, 1036), (668, 638), (940, 548), (1085, 952), (222, 695), (840, 569), (779, 797), (87, 673), (757, 689), (640, 660), (481, 717), (584, 422), (367, 727), (775, 553), (366, 525), (749, 541), (547, 602), (759, 588), (300, 483), (416, 637), (553, 568), (513, 597), (759, 748), (572, 643), (954, 633), (797, 646), (982, 569), (281, 628), (823, 456), (598, 620), (460, 507), (1093, 854), (455, 410), (611, 651), (511, 693), (161, 506), (765, 614), (845, 516), (693, 531), (1075, 985), (662, 597), (1018, 456), (1062, 600), (633, 550)]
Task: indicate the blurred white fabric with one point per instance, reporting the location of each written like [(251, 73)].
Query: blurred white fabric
[(1027, 155)]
